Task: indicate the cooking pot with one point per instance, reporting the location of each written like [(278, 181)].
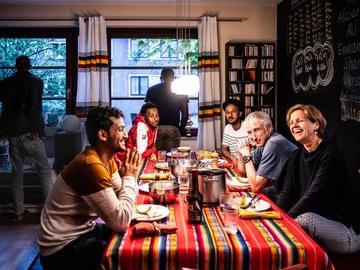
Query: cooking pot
[(211, 183)]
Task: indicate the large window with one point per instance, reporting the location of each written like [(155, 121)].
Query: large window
[(49, 55), (136, 64)]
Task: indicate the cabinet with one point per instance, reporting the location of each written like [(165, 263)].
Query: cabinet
[(250, 76)]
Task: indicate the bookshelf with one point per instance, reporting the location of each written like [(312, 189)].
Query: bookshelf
[(250, 76)]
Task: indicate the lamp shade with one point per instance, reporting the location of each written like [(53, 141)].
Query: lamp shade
[(71, 123), (186, 85)]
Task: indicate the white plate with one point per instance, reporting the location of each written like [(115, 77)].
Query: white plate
[(234, 182), (162, 166), (156, 212), (144, 187), (177, 155), (261, 205)]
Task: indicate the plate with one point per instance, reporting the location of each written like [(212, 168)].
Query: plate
[(156, 212), (234, 182), (177, 155), (144, 187), (222, 161), (261, 205), (162, 166)]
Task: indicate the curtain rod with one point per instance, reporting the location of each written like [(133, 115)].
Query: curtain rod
[(192, 19)]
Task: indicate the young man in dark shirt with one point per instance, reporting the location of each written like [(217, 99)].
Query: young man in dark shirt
[(170, 107), (21, 122)]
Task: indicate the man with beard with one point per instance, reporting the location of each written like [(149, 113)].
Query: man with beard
[(233, 131), (91, 186), (142, 134)]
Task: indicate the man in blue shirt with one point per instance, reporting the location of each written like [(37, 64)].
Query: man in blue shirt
[(264, 154)]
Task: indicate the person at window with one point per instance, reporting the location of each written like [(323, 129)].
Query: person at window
[(90, 186), (233, 131), (311, 192), (266, 164), (142, 134), (21, 122), (170, 107)]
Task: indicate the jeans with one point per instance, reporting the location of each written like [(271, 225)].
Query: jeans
[(21, 147), (167, 137), (82, 253)]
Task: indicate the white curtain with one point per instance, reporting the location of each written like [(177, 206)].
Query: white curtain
[(209, 131), (93, 80)]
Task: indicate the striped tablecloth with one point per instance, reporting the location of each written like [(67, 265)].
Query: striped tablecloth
[(258, 244)]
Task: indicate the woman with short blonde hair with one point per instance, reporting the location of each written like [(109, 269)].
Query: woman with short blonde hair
[(310, 193)]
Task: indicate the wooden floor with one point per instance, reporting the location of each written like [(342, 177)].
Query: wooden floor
[(18, 248)]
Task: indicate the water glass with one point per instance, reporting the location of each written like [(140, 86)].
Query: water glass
[(230, 220), (161, 155), (174, 153), (224, 200), (184, 183)]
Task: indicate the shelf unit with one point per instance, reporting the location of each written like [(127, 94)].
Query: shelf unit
[(250, 76)]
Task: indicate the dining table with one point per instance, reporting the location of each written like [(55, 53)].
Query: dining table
[(259, 243)]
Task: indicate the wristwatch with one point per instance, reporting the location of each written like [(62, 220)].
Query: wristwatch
[(246, 159)]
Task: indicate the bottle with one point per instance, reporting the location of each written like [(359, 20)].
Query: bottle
[(188, 127), (194, 199)]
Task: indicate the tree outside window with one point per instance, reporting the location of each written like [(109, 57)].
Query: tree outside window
[(48, 59)]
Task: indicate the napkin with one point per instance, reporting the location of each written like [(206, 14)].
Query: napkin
[(265, 214), (225, 165), (146, 228), (154, 176), (237, 188)]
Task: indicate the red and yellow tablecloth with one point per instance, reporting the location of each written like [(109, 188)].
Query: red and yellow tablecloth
[(258, 244)]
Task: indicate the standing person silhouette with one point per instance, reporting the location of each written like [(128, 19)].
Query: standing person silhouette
[(21, 122), (170, 107)]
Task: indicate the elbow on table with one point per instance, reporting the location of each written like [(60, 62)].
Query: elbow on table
[(120, 224)]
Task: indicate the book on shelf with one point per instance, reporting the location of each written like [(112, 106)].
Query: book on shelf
[(265, 89), (251, 50), (267, 50), (250, 88), (234, 88), (267, 63), (251, 63), (236, 63), (250, 75), (233, 76), (267, 76)]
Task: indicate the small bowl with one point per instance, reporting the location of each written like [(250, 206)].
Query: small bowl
[(164, 191), (179, 166)]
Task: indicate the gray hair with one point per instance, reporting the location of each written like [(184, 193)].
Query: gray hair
[(260, 116)]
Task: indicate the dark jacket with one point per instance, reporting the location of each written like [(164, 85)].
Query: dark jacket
[(21, 97)]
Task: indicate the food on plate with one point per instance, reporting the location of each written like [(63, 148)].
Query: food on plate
[(242, 201), (183, 149), (243, 180), (162, 166), (155, 176), (203, 154), (153, 157)]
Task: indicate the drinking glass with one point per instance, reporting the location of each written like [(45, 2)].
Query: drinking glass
[(161, 155), (230, 219)]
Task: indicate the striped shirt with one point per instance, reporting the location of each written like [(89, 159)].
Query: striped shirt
[(232, 136)]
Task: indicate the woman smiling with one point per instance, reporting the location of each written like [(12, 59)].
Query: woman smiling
[(315, 179)]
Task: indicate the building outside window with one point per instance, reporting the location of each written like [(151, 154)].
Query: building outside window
[(130, 67)]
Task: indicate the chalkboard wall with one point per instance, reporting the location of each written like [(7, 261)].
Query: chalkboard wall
[(319, 64)]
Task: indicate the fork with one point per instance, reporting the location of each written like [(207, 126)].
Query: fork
[(254, 202)]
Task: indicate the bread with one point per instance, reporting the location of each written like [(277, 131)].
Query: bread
[(183, 149)]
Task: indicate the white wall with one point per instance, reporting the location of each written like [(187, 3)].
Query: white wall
[(260, 23)]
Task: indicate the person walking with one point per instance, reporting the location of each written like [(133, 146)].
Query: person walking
[(22, 124), (170, 107)]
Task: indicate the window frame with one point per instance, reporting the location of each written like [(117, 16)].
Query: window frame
[(135, 33), (71, 36), (138, 77)]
